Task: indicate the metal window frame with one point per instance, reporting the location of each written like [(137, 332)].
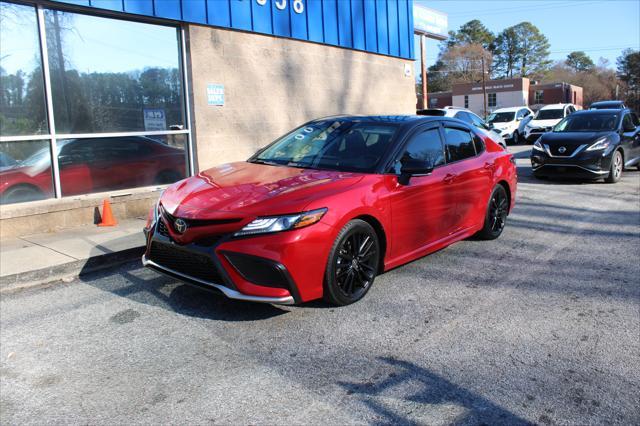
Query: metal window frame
[(52, 136)]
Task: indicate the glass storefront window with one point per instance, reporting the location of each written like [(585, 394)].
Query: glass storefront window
[(106, 75), (22, 100), (105, 164), (25, 171), (111, 75)]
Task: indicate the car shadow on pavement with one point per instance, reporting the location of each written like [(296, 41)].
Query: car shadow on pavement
[(141, 285), (430, 390)]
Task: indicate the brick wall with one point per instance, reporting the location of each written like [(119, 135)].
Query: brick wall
[(274, 84)]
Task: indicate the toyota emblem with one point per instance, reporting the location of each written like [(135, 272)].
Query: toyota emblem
[(180, 226), (562, 150)]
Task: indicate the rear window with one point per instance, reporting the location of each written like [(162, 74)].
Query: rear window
[(550, 114)]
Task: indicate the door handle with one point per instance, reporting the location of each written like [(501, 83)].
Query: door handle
[(449, 178), (488, 166)]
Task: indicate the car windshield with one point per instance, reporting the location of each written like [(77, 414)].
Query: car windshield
[(501, 117), (549, 114), (334, 144), (587, 123)]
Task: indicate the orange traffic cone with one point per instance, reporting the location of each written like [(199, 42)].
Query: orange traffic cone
[(107, 215)]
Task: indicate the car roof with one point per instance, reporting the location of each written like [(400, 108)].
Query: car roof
[(602, 103), (370, 118), (510, 109), (599, 111)]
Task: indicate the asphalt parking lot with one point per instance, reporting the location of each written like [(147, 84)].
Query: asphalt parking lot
[(540, 326)]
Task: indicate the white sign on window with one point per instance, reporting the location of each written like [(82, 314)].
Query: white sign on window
[(154, 119)]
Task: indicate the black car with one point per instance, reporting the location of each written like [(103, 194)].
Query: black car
[(593, 144), (608, 105)]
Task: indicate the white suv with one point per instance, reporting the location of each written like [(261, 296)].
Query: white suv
[(544, 120), (468, 117), (508, 122)]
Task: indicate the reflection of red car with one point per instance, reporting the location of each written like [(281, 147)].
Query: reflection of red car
[(323, 210), (93, 165)]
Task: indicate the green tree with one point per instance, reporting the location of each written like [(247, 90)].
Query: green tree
[(506, 53), (628, 65), (473, 32), (579, 61), (522, 51)]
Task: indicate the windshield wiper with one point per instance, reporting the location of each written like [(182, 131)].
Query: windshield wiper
[(267, 162)]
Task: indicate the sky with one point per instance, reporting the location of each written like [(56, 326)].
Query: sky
[(600, 28)]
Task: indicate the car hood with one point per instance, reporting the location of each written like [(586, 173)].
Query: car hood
[(544, 123), (242, 190), (572, 138)]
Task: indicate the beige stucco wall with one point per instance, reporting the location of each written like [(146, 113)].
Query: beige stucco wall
[(273, 85)]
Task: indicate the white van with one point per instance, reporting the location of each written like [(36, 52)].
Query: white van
[(507, 122), (544, 120)]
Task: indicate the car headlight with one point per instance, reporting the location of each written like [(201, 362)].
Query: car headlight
[(602, 143), (538, 146), (263, 225)]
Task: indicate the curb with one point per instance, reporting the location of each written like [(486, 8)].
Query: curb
[(67, 271)]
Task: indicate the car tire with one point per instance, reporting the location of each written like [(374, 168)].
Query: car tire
[(496, 214), (353, 263), (21, 193), (615, 170)]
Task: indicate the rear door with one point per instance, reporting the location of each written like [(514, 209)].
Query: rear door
[(422, 211), (472, 175)]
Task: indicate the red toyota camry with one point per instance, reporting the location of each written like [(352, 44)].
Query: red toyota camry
[(324, 209)]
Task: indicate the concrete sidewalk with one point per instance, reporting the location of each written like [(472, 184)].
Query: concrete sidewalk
[(41, 258)]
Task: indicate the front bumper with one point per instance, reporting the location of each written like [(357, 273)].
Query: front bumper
[(207, 285), (584, 165), (279, 268)]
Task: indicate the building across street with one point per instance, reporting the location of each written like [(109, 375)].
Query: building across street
[(507, 93)]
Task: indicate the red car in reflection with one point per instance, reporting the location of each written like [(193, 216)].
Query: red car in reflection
[(93, 165), (324, 209)]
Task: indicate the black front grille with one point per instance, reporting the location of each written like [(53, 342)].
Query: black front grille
[(162, 228), (568, 150), (187, 262)]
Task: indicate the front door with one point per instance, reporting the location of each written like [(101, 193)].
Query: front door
[(421, 210)]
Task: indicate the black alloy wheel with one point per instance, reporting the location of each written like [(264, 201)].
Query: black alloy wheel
[(615, 171), (496, 216), (353, 263)]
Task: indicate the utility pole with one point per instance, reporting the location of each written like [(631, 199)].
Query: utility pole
[(423, 71), (484, 92)]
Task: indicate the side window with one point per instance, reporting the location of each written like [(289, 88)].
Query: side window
[(426, 147), (635, 120), (477, 121), (458, 144), (478, 143), (464, 117), (627, 122)]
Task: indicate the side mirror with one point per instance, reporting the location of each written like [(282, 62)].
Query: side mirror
[(411, 167)]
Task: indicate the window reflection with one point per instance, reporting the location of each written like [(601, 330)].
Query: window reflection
[(111, 75), (105, 164), (22, 102), (25, 171)]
